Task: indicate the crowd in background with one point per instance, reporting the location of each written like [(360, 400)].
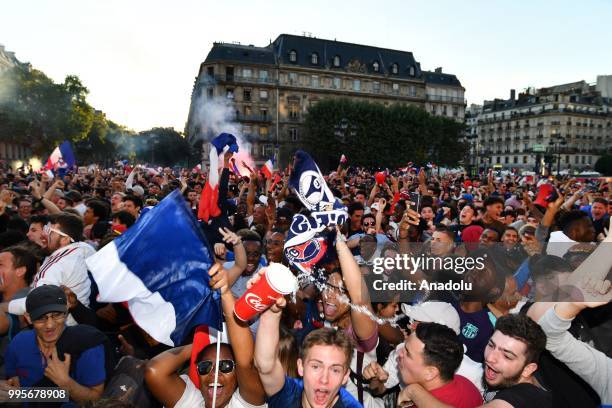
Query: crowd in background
[(533, 329)]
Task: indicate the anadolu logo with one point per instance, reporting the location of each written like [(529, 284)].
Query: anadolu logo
[(255, 302)]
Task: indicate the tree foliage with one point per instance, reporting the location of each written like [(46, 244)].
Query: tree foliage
[(163, 146), (604, 165), (41, 113), (373, 135)]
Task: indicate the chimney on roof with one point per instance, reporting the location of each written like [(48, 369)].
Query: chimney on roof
[(512, 94), (438, 70)]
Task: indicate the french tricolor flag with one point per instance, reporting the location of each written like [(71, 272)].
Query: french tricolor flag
[(208, 207), (268, 168), (61, 157), (164, 281)]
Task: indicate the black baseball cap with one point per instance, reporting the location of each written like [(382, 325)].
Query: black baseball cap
[(45, 299)]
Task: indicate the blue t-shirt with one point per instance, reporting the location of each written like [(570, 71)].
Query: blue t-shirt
[(290, 396), (23, 359)]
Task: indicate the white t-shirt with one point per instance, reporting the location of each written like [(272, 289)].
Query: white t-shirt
[(192, 398), (66, 266)]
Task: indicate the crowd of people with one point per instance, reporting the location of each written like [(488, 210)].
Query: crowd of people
[(532, 329)]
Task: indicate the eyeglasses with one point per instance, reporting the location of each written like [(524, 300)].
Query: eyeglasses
[(49, 229), (369, 224), (56, 317), (225, 366)]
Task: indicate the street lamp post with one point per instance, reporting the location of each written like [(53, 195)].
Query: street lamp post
[(556, 142)]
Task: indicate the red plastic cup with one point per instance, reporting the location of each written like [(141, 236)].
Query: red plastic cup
[(380, 177), (277, 281)]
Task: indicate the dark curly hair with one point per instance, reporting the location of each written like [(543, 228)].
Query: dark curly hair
[(527, 331), (443, 349)]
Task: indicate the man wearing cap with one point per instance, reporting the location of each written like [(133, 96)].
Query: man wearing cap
[(66, 264), (431, 312), (53, 355)]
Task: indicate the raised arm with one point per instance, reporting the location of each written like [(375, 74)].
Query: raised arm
[(162, 378), (268, 364), (363, 326), (240, 257), (239, 334)]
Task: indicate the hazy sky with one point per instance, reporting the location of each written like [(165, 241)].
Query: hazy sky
[(139, 58)]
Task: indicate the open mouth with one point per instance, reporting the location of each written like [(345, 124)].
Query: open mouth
[(211, 389), (320, 396), (490, 373), (330, 308)]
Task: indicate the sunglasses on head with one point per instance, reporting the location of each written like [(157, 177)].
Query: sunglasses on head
[(225, 366)]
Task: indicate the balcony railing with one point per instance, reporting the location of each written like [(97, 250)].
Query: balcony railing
[(236, 78), (444, 98), (253, 118)]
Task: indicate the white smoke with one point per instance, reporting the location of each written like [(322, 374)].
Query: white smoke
[(212, 116)]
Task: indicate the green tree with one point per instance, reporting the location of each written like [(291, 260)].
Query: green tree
[(373, 135), (41, 113), (604, 165), (163, 146)]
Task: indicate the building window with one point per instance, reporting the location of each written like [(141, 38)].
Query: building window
[(263, 74), (336, 61), (375, 66), (246, 95), (210, 71), (229, 93), (293, 56), (314, 58), (263, 94), (444, 110), (411, 71), (293, 133), (294, 110), (293, 78), (394, 68), (315, 81), (264, 113), (376, 86), (246, 130), (524, 159), (395, 88), (455, 111), (247, 73), (337, 83), (356, 85), (263, 132), (498, 160), (210, 92), (515, 159), (248, 111), (412, 90), (506, 159)]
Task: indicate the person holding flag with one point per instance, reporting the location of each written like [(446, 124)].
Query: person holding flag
[(235, 385)]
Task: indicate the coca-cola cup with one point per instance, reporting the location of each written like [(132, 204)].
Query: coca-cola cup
[(276, 281)]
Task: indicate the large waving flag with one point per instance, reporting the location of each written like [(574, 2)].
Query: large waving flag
[(61, 157), (208, 207), (160, 267), (306, 242)]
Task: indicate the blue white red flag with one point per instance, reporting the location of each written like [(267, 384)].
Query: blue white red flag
[(208, 207), (164, 281), (61, 158), (268, 168)]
